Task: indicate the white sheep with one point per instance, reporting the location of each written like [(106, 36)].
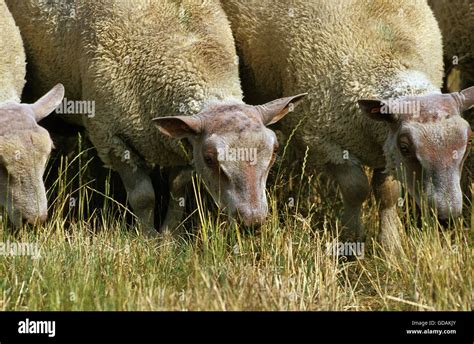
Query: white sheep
[(24, 146), (456, 21), (382, 56), (139, 60)]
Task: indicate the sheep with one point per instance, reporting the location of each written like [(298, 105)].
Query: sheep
[(157, 71), (373, 70), (456, 21), (24, 145)]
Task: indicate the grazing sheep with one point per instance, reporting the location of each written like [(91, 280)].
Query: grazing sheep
[(144, 60), (24, 145), (456, 21), (382, 56)]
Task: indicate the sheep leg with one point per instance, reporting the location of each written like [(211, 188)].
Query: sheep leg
[(355, 189), (141, 194), (387, 192), (178, 180)]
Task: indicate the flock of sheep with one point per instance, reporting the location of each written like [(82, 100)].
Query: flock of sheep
[(366, 76)]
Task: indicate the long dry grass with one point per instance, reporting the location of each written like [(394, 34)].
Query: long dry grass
[(94, 259)]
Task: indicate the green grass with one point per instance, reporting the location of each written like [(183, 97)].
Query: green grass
[(93, 259)]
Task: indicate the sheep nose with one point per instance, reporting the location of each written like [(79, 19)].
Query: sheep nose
[(254, 223), (252, 218)]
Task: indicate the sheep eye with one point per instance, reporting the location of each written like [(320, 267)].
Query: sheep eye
[(209, 160), (404, 149)]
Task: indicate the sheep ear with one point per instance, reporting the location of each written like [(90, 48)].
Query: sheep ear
[(179, 126), (48, 103), (467, 99), (274, 111), (377, 110)]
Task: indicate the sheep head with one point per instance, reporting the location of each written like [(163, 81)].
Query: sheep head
[(233, 151), (427, 145), (24, 151)]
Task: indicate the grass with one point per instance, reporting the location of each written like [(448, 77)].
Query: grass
[(93, 258)]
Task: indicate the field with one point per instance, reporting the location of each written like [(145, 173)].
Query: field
[(94, 259)]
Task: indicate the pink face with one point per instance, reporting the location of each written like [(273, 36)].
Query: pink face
[(234, 157), (233, 151), (24, 151), (427, 145)]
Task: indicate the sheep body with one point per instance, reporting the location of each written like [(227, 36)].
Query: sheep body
[(456, 21), (12, 58), (313, 52), (124, 56), (24, 145), (147, 60), (353, 55)]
